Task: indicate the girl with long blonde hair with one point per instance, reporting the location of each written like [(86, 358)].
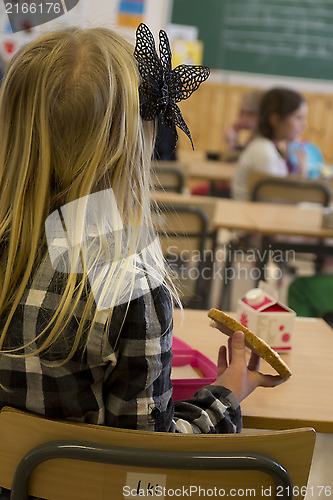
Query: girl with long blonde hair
[(85, 301)]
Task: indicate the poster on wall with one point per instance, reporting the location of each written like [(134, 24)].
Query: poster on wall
[(186, 48), (187, 52), (23, 20), (131, 13)]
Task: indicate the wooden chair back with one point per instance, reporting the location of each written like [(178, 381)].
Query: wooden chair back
[(175, 469), (264, 187), (168, 176), (184, 235)]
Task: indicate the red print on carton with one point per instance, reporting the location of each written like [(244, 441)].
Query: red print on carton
[(244, 320)]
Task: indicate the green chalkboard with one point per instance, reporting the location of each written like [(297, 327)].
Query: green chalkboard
[(281, 37)]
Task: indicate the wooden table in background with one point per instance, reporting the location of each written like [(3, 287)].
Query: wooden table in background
[(271, 218), (300, 227), (211, 171), (198, 167), (306, 399), (265, 218)]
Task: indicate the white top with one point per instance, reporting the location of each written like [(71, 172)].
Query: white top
[(261, 155), (255, 296)]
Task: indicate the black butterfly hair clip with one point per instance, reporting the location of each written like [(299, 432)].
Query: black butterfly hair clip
[(162, 87)]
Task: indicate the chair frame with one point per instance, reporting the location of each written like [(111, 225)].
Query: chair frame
[(201, 298), (259, 181), (296, 184), (173, 171), (91, 452)]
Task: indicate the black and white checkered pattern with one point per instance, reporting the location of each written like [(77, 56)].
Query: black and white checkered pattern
[(124, 383)]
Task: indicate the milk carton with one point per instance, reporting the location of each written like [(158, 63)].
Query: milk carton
[(263, 314)]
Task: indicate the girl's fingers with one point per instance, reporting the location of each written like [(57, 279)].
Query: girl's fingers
[(254, 362), (270, 380), (230, 349), (238, 347), (222, 363)]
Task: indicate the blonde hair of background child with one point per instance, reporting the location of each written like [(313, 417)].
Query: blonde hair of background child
[(70, 126)]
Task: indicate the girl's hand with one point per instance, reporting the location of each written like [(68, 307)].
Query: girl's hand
[(302, 162), (231, 137), (239, 377)]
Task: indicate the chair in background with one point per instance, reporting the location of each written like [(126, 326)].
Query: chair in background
[(185, 237), (287, 190), (167, 176), (73, 461), (272, 189), (292, 191)]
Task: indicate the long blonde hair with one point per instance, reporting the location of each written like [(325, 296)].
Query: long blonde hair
[(69, 126)]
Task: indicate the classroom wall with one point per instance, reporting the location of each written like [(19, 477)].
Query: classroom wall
[(86, 13), (104, 12), (215, 106), (157, 15)]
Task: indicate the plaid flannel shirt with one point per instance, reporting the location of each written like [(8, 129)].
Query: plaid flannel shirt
[(123, 381)]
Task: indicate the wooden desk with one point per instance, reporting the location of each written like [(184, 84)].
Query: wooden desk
[(266, 218), (196, 166), (271, 218), (274, 219), (204, 170), (210, 170), (306, 399)]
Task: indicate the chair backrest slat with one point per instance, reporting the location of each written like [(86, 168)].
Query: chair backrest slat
[(167, 176), (71, 479), (286, 190)]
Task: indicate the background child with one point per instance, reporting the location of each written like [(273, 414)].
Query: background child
[(247, 119), (71, 133), (282, 119)]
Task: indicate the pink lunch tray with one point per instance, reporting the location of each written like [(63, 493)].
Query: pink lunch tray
[(184, 355)]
